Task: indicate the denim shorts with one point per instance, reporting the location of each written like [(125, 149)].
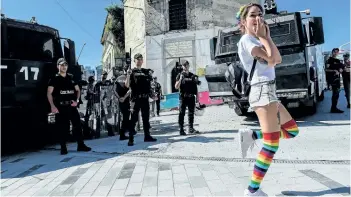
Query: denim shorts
[(262, 94)]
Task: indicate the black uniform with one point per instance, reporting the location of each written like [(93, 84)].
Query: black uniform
[(140, 84), (63, 95), (153, 102), (334, 80), (89, 108), (122, 90), (346, 81), (158, 92), (188, 91)]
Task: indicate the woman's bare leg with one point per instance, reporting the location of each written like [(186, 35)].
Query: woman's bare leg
[(288, 126), (268, 119)]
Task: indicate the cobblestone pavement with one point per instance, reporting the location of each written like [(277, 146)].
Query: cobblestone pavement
[(315, 163)]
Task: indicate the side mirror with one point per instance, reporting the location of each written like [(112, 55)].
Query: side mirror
[(70, 52), (316, 30)]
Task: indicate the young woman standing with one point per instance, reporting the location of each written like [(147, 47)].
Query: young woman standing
[(256, 43)]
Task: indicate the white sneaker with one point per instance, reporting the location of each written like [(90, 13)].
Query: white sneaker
[(259, 192), (246, 141)]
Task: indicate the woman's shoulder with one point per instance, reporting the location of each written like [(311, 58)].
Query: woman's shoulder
[(245, 37), (242, 39), (248, 38)]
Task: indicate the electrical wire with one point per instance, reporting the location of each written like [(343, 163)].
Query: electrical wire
[(81, 27)]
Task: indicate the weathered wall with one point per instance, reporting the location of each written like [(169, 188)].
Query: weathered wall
[(134, 27), (108, 55), (201, 14), (157, 17)]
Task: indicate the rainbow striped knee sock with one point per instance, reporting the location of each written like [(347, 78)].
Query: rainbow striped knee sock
[(264, 159), (288, 130)]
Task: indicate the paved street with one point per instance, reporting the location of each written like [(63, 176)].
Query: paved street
[(315, 163)]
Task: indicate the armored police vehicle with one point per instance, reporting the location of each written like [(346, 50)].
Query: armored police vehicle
[(29, 52), (300, 78)]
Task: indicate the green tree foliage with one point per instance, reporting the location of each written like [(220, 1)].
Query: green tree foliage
[(116, 24)]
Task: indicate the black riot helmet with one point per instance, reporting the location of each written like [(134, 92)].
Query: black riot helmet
[(91, 79)]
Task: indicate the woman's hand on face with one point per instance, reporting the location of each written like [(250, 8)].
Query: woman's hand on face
[(261, 30)]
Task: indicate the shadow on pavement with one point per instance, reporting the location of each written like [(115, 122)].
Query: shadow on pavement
[(34, 164), (345, 191)]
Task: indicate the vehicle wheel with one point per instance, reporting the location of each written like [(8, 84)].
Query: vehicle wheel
[(240, 111), (313, 109)]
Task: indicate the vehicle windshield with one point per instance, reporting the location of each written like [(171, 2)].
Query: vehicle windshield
[(25, 44)]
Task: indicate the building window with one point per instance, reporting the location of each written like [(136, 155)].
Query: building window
[(177, 15)]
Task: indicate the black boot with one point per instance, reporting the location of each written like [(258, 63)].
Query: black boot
[(336, 111), (131, 138), (182, 132), (192, 130), (131, 141), (123, 137), (149, 138), (63, 149), (110, 129), (83, 148)]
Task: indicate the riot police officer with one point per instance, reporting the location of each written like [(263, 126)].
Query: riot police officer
[(139, 80), (63, 95), (153, 101), (90, 107), (103, 96), (346, 77), (158, 91), (123, 95), (187, 82), (333, 69)]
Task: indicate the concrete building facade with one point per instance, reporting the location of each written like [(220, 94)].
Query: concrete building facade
[(167, 31)]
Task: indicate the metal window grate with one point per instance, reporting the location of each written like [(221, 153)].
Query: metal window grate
[(177, 15)]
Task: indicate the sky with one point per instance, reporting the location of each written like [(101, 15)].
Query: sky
[(83, 20)]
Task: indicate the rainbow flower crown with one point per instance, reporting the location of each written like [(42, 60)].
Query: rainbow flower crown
[(238, 14)]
